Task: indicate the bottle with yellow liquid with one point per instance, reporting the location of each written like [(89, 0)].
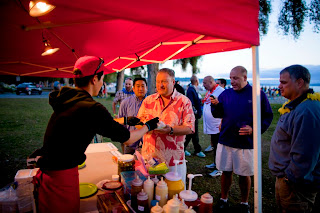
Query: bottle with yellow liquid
[(174, 181), (162, 192)]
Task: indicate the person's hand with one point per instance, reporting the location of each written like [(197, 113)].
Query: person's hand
[(245, 130), (152, 124), (214, 101), (164, 130), (131, 121)]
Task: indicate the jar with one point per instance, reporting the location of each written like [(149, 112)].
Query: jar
[(126, 163)]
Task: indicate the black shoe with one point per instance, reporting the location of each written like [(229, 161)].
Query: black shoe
[(222, 206), (243, 208)]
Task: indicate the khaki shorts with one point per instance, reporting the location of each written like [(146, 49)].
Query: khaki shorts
[(291, 199), (229, 159)]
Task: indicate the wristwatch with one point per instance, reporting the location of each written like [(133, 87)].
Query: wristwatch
[(171, 131)]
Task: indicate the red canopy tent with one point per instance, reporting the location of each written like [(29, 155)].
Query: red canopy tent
[(125, 33), (128, 34)]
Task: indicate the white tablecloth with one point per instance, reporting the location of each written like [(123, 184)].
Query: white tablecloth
[(99, 166)]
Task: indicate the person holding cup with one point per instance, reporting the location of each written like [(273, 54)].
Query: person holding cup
[(235, 145)]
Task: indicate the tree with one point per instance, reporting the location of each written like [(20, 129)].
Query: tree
[(294, 13), (152, 73), (314, 15), (138, 71), (193, 61), (111, 77), (292, 17), (291, 21), (265, 10), (120, 79)]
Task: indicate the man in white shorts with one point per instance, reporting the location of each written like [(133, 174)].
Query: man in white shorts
[(235, 146)]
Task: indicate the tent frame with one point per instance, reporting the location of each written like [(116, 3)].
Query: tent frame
[(256, 106)]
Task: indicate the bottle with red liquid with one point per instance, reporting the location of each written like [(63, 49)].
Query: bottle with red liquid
[(136, 187), (206, 202), (190, 197), (142, 198)]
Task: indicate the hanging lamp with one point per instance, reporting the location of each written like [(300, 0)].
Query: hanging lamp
[(39, 8), (48, 49)]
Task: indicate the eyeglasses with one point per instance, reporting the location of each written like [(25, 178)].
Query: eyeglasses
[(101, 62)]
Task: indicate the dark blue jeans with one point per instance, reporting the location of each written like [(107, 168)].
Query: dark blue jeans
[(194, 137)]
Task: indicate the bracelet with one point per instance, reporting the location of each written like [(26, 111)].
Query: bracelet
[(147, 126)]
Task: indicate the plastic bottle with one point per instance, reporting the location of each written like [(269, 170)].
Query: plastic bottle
[(173, 205), (142, 198), (162, 192), (190, 197), (148, 187), (174, 181), (190, 210), (155, 181), (156, 209), (206, 202), (136, 187), (182, 206)]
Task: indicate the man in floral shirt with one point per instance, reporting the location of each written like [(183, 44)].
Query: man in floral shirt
[(174, 110)]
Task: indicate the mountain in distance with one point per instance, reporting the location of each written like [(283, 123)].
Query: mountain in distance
[(270, 76), (274, 73)]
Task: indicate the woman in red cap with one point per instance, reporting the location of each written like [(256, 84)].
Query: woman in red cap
[(73, 124)]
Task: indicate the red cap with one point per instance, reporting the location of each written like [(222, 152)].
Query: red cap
[(88, 65)]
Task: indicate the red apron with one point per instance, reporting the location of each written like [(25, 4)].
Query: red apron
[(57, 191)]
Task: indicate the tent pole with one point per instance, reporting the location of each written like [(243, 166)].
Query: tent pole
[(256, 105)]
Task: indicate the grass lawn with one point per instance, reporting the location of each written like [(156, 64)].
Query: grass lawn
[(23, 123)]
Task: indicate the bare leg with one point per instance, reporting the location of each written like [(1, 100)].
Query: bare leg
[(226, 181), (245, 185)]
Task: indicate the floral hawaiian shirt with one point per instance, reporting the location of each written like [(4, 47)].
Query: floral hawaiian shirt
[(177, 112)]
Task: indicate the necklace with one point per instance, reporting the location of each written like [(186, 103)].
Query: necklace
[(311, 96)]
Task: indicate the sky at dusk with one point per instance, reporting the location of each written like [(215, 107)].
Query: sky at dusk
[(276, 51)]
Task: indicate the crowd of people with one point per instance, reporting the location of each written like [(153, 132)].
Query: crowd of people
[(227, 118)]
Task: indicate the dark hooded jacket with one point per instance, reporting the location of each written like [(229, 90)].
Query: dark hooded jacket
[(73, 124)]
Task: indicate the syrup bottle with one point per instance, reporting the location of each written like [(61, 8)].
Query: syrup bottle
[(206, 202), (190, 197), (136, 187), (142, 198)]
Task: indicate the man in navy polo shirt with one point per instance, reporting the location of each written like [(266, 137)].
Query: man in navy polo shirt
[(235, 146)]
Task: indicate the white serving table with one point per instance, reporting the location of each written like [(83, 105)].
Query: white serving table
[(99, 166)]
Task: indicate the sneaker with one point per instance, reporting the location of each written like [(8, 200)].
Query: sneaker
[(243, 208), (201, 155), (215, 173), (209, 149), (222, 206), (211, 166), (186, 153)]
